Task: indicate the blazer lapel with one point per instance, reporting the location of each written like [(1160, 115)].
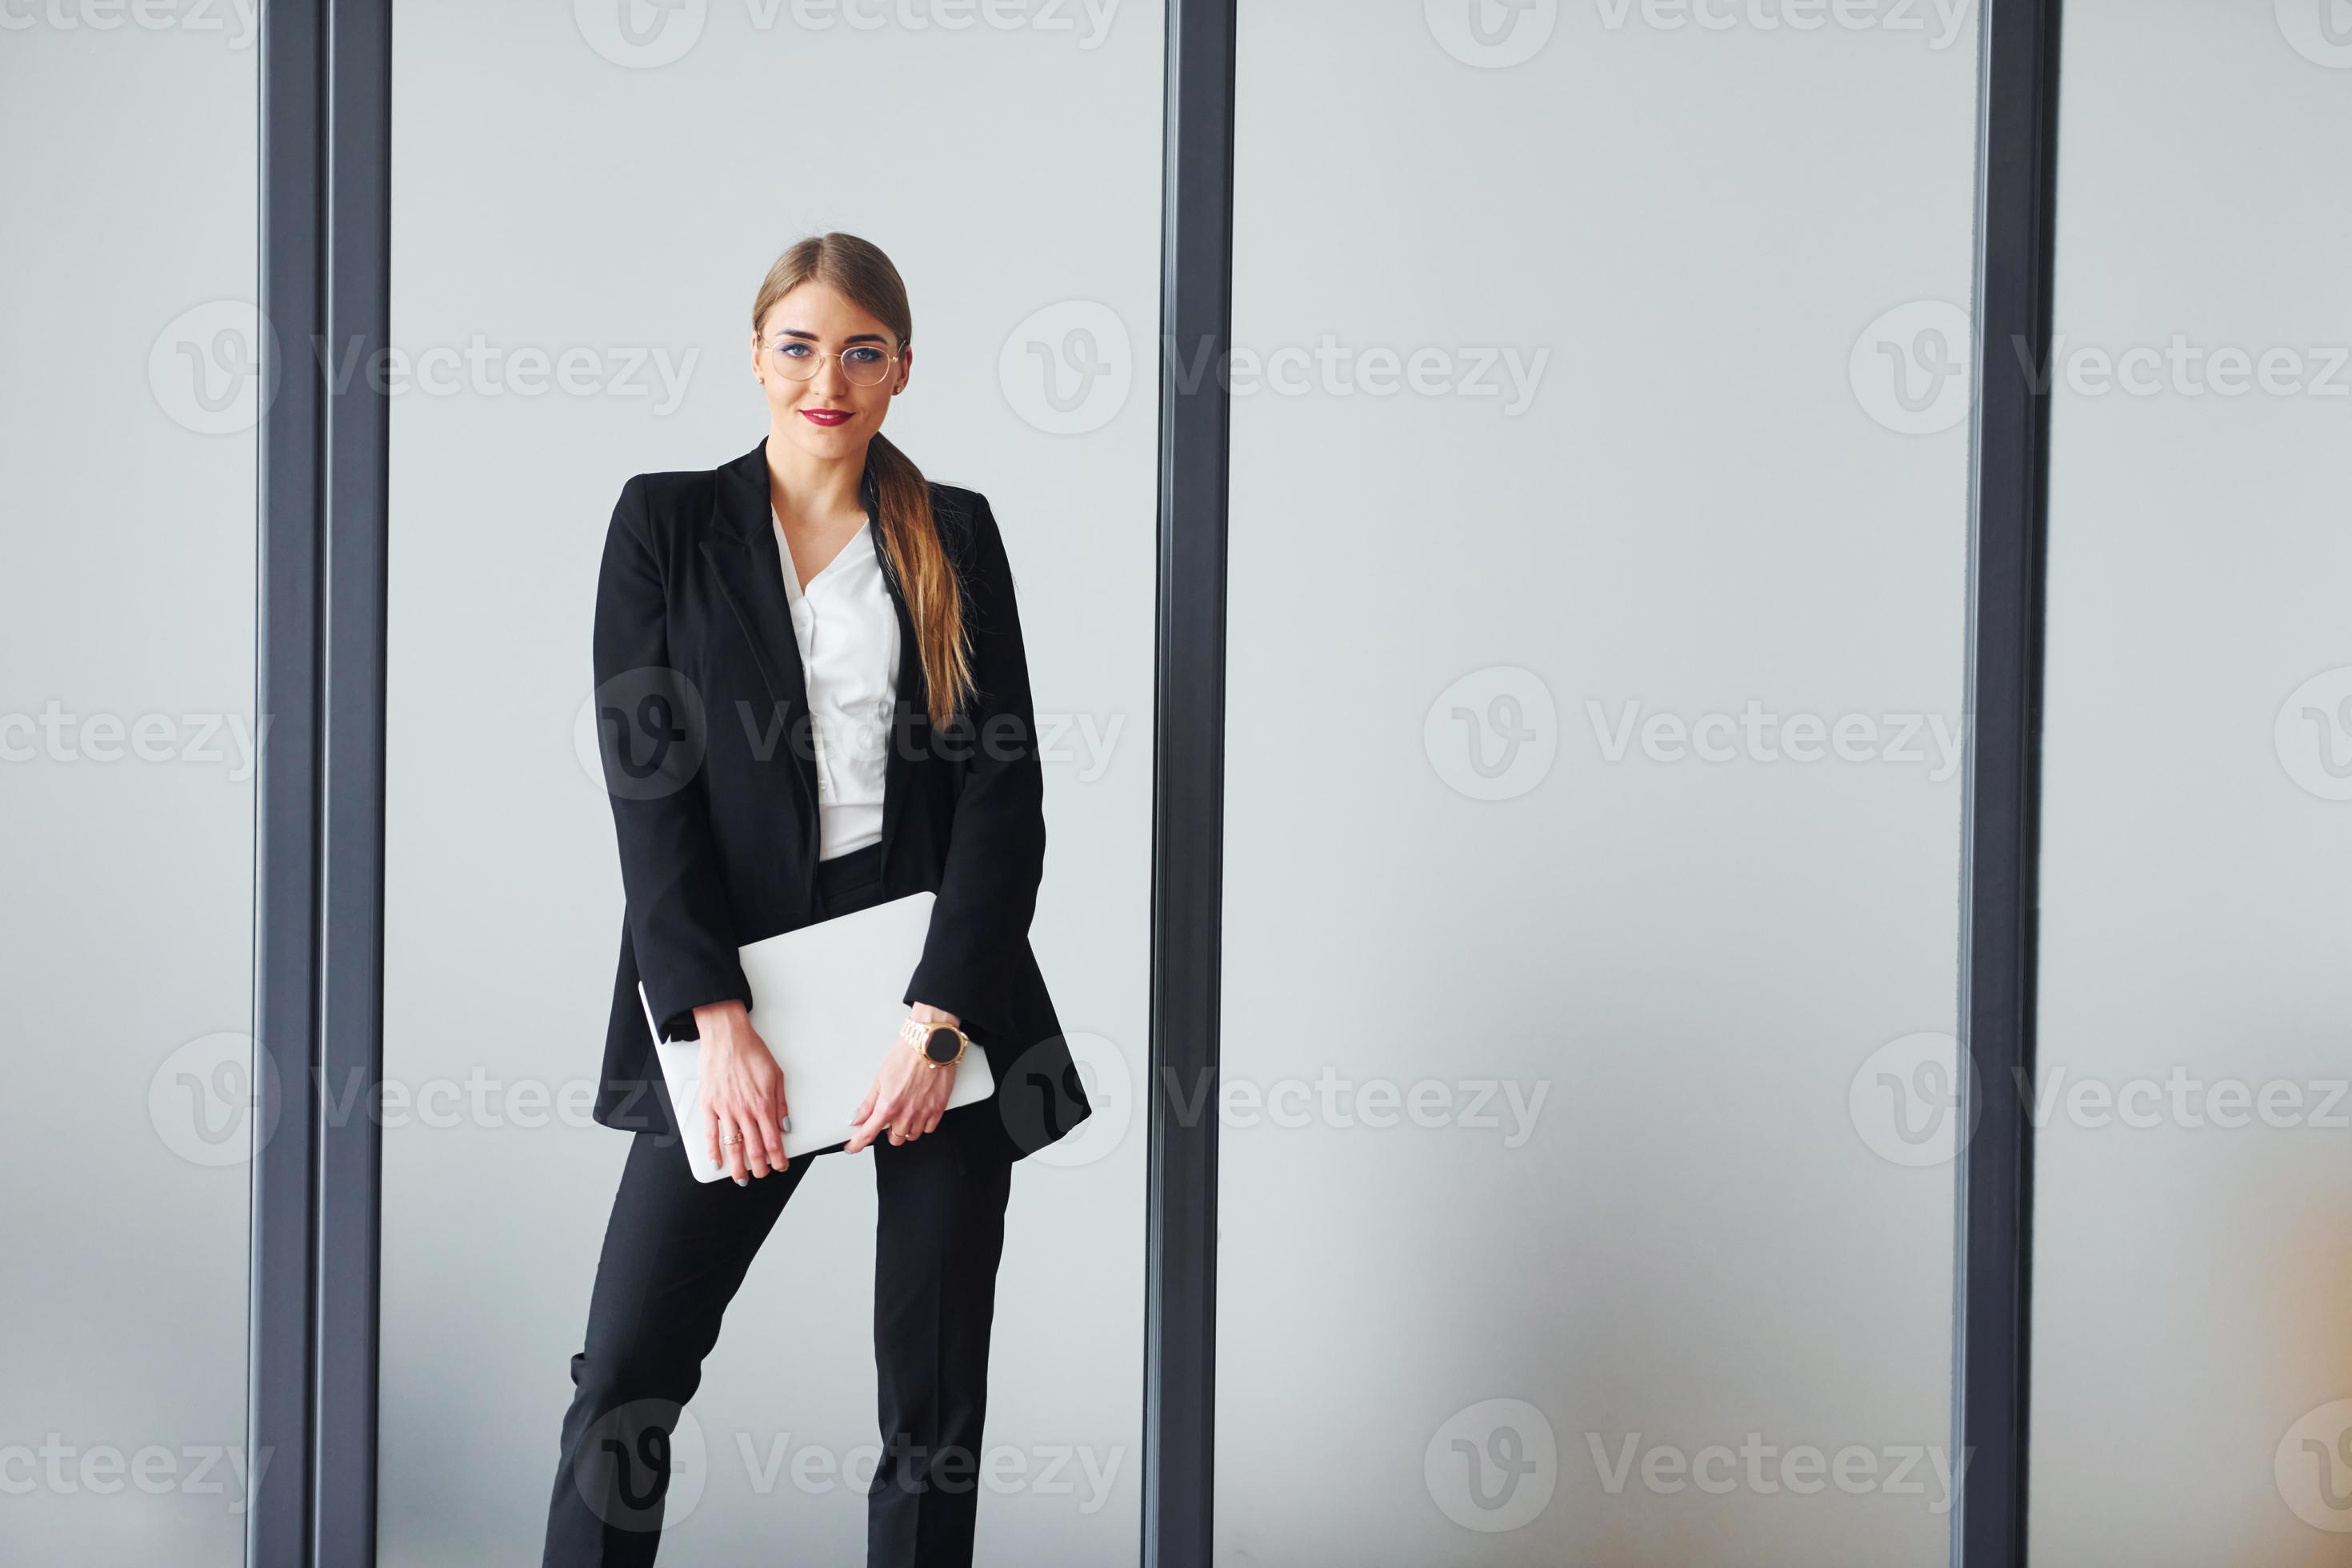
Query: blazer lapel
[(741, 548)]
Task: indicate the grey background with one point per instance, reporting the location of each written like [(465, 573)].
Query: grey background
[(1694, 958), (2193, 1282), (126, 592), (547, 198)]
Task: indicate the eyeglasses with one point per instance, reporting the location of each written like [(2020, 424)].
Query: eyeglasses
[(863, 363)]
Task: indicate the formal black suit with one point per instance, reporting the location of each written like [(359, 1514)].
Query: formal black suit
[(703, 716), (703, 713)]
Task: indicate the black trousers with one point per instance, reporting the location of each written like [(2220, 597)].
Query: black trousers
[(676, 1249)]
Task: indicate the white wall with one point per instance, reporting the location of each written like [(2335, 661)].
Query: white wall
[(547, 196), (1709, 498), (2193, 1279), (126, 677)]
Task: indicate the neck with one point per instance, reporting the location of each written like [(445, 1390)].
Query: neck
[(803, 486)]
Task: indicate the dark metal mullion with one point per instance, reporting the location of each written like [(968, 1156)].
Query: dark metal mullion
[(319, 816), (1188, 789), (358, 271), (2016, 216), (279, 1319)]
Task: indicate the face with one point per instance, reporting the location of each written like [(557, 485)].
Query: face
[(815, 329)]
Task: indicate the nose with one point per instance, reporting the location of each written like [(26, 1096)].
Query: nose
[(830, 379)]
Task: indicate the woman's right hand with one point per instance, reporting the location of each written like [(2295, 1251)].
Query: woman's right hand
[(742, 1092)]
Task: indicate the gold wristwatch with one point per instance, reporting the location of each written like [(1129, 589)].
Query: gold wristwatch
[(939, 1045)]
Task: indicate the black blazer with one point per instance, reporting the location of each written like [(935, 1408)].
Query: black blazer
[(703, 723)]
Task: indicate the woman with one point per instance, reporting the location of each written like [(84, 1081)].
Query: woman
[(812, 698)]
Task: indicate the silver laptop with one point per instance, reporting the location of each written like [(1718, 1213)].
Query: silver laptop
[(826, 998)]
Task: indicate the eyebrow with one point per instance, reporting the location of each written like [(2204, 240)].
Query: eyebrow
[(860, 338)]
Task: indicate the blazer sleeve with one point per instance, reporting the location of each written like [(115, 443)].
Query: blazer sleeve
[(680, 924), (996, 848)]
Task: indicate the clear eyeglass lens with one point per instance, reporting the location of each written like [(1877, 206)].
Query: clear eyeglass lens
[(863, 363)]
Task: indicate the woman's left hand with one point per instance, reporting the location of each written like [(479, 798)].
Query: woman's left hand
[(908, 1095)]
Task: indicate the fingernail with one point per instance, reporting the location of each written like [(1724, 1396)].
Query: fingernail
[(742, 1181), (788, 1124)]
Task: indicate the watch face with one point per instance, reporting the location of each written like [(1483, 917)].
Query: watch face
[(942, 1045)]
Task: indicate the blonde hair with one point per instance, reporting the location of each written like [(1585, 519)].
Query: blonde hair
[(859, 271)]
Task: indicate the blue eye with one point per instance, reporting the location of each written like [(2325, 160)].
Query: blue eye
[(864, 357), (795, 351)]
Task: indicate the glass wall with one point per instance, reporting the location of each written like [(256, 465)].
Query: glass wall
[(2192, 1397), (127, 752), (1599, 549), (584, 210)]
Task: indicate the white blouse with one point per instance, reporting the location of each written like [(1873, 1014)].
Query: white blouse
[(848, 629)]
